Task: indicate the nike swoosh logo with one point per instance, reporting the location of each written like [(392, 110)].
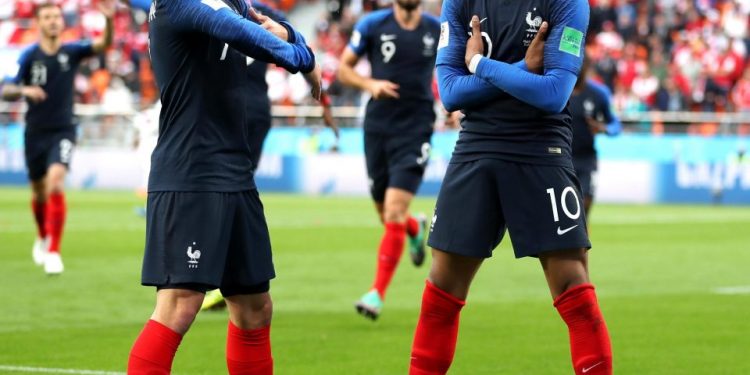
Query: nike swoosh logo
[(587, 369), (385, 38), (483, 19), (560, 232)]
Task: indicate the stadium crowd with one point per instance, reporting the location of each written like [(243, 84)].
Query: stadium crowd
[(666, 55)]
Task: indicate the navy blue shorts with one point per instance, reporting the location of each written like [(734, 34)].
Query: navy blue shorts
[(43, 149), (396, 161), (207, 240), (586, 178), (585, 167), (539, 205)]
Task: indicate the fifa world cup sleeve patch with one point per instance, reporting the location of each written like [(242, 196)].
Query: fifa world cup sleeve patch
[(444, 35), (571, 41)]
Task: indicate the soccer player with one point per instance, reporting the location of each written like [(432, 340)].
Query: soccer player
[(511, 168), (259, 114), (400, 43), (205, 223), (591, 112), (45, 79)]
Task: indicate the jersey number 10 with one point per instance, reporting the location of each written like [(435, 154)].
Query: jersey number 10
[(564, 203)]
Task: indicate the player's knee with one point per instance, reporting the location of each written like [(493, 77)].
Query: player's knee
[(394, 216), (253, 316), (56, 178), (395, 212), (180, 319)]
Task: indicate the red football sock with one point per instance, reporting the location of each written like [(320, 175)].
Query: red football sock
[(590, 347), (412, 226), (55, 220), (249, 351), (437, 331), (38, 208), (391, 248), (154, 350)]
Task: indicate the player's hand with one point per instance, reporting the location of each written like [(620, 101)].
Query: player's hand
[(535, 54), (381, 89), (595, 127), (107, 7), (475, 45), (313, 79), (452, 119), (270, 25), (34, 93), (328, 120)]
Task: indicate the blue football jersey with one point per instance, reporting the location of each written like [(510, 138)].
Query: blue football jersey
[(593, 101), (498, 123), (55, 74), (199, 51), (404, 57)]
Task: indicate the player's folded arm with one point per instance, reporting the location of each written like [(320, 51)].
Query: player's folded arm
[(458, 88), (549, 92), (215, 18), (563, 57)]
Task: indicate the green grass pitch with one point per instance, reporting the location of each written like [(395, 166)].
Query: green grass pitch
[(657, 270)]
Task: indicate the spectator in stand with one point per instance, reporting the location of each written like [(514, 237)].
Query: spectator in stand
[(669, 97), (741, 93), (645, 85)]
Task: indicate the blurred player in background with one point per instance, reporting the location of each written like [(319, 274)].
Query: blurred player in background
[(45, 79), (205, 223), (511, 168), (591, 113), (400, 44), (259, 114)]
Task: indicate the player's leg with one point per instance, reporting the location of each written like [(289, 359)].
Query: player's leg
[(58, 161), (249, 334), (391, 247), (36, 150), (245, 285), (39, 208), (545, 218), (574, 297), (467, 224), (408, 158), (442, 300), (55, 214), (187, 242), (155, 347)]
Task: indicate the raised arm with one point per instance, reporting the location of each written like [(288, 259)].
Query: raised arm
[(108, 10), (563, 57), (215, 18)]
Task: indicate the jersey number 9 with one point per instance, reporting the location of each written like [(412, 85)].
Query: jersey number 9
[(388, 49)]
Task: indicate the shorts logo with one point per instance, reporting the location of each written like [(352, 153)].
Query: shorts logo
[(194, 255), (434, 220), (425, 156)]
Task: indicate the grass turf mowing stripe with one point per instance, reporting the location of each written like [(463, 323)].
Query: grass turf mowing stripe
[(48, 370)]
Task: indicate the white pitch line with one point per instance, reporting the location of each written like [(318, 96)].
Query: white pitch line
[(57, 370), (732, 290)]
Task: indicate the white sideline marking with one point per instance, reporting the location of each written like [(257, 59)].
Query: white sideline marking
[(743, 289), (57, 370)]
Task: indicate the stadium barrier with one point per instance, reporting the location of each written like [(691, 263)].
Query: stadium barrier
[(634, 167)]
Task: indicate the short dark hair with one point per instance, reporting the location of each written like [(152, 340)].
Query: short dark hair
[(46, 5)]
